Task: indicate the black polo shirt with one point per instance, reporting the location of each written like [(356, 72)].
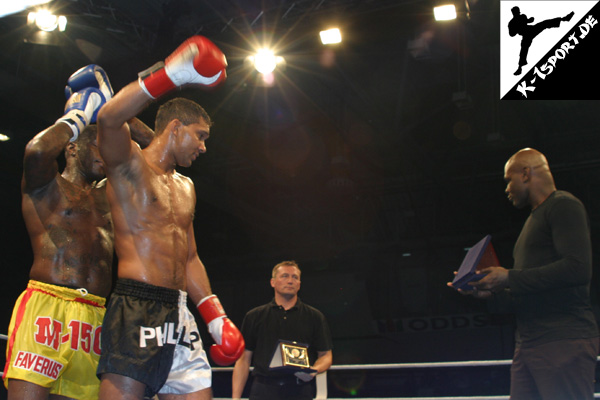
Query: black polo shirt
[(265, 325)]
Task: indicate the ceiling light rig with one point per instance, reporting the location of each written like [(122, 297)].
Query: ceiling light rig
[(46, 21), (45, 28), (451, 10), (446, 12), (8, 7), (266, 62), (331, 36)]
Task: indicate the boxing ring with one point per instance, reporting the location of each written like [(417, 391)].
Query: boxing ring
[(322, 392), (5, 338), (322, 379)]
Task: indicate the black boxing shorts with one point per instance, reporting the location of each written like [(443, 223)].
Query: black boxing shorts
[(150, 335)]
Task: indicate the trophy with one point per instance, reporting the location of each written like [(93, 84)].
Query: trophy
[(480, 256), (291, 356)]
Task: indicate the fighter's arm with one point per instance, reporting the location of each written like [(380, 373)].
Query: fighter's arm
[(39, 163), (196, 62), (241, 370), (114, 134), (40, 166), (197, 282), (140, 132), (229, 343), (94, 76)]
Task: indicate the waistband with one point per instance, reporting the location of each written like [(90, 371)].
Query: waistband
[(279, 380), (79, 295), (146, 291)]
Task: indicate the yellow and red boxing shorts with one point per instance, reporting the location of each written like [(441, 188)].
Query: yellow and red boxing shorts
[(54, 340)]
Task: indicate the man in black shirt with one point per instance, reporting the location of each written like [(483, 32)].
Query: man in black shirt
[(287, 318), (548, 287)]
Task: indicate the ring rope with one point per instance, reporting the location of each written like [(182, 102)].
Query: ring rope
[(444, 364)]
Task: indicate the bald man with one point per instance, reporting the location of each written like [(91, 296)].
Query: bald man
[(548, 287)]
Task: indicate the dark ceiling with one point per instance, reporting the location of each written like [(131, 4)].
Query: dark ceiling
[(392, 142)]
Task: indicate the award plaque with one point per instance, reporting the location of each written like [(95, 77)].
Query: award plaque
[(292, 356), (480, 256)]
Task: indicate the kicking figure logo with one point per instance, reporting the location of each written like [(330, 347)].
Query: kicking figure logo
[(546, 48), (519, 25)]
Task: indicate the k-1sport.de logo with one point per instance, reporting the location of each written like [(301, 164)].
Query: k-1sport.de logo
[(547, 49)]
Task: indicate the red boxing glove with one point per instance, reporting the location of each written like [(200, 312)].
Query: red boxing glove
[(195, 61), (229, 341)]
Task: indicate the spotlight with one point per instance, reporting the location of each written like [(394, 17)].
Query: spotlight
[(265, 61), (331, 36), (445, 12), (8, 7), (46, 21)]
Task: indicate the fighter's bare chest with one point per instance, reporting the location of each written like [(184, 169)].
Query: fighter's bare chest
[(90, 206), (169, 197)]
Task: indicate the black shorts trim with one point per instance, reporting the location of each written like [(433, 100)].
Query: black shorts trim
[(146, 291)]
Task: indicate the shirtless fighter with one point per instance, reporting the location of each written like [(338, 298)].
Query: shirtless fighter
[(53, 346), (150, 341)]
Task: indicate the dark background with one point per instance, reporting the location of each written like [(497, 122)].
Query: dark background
[(374, 163)]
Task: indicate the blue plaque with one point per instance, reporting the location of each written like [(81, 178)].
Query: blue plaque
[(480, 256)]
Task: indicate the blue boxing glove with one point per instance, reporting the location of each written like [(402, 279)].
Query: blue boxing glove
[(81, 109), (89, 76)]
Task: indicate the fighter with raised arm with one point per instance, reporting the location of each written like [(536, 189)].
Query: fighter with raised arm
[(150, 341), (54, 333)]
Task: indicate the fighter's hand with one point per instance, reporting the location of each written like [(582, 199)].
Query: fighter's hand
[(196, 61), (81, 109), (89, 76), (229, 341)]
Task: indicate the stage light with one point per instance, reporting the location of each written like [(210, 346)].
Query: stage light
[(62, 23), (265, 61), (444, 13), (331, 36), (4, 138), (46, 21), (8, 7)]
